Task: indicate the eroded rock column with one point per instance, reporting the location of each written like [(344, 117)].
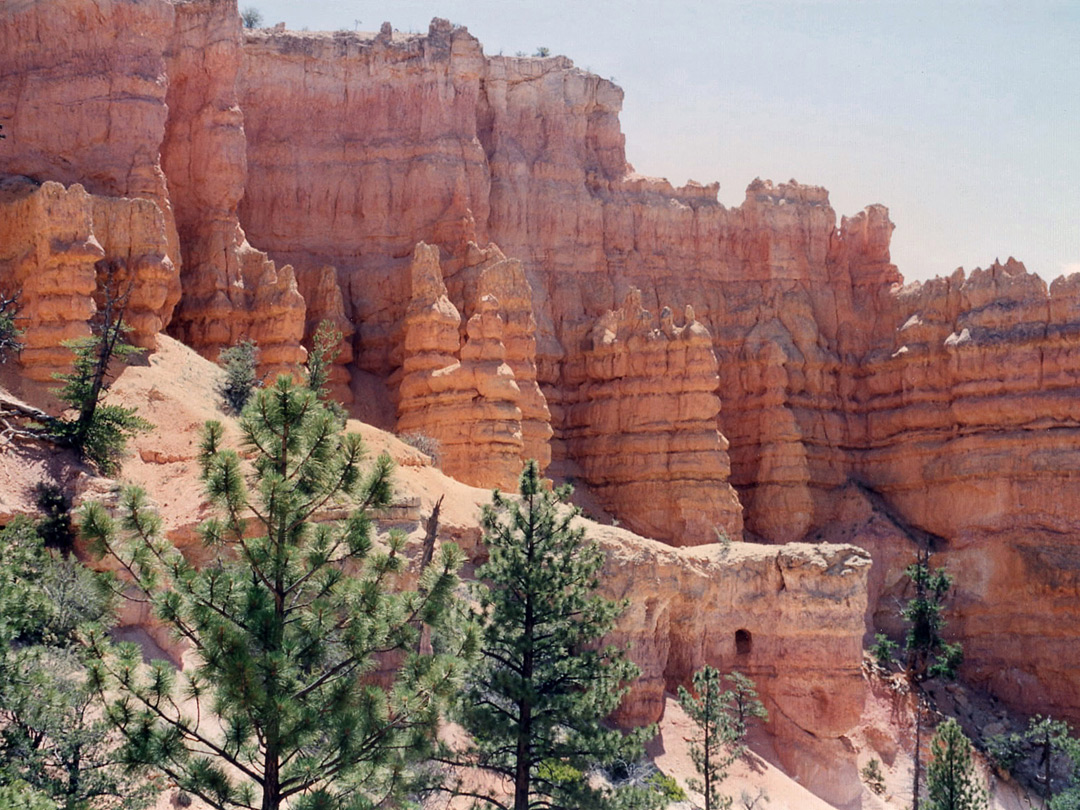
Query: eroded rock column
[(643, 426), (462, 396)]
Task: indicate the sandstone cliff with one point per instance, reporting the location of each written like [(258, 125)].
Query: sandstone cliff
[(641, 410), (824, 379), (231, 290), (161, 139), (463, 395)]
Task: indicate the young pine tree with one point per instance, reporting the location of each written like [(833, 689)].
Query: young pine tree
[(928, 654), (10, 334), (1044, 756), (241, 363), (100, 431), (950, 775), (324, 351), (716, 747), (742, 698), (288, 623), (536, 699)]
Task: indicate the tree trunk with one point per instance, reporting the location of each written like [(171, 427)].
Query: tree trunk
[(918, 749)]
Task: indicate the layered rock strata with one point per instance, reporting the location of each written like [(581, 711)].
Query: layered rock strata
[(825, 379), (787, 616), (324, 304), (47, 257), (972, 437), (56, 247), (83, 98), (462, 395), (486, 272), (948, 402), (231, 290), (642, 426)]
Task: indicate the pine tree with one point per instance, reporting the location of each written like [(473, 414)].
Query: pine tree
[(1044, 756), (950, 776), (742, 698), (10, 334), (324, 350), (241, 363), (542, 686), (100, 432), (714, 751), (288, 623), (928, 654), (53, 741)]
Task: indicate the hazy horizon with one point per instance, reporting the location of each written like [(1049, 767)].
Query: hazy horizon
[(962, 118)]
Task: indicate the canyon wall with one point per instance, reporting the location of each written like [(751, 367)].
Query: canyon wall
[(137, 100), (231, 290), (831, 375), (804, 394)]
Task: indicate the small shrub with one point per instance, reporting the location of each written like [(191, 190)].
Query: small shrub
[(325, 347), (240, 363), (10, 334), (883, 650), (428, 445), (1005, 751), (55, 527), (251, 17), (542, 51), (751, 802), (722, 537), (667, 787), (871, 774)]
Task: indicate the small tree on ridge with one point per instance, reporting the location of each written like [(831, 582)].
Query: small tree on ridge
[(950, 775), (928, 654)]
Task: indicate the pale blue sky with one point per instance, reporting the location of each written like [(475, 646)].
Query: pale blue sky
[(962, 117)]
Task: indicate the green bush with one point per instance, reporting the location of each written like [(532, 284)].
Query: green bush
[(667, 787), (883, 650), (872, 775), (240, 363)]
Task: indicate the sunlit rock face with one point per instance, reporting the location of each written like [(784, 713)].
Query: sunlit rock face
[(231, 290), (253, 184), (789, 616), (830, 373), (61, 249)]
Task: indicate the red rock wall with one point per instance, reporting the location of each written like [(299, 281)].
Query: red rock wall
[(802, 644), (951, 401), (461, 393), (432, 140), (47, 256), (824, 378), (56, 245), (394, 161), (642, 426), (83, 97), (973, 436), (231, 290)]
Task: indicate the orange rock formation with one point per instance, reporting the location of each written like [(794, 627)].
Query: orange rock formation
[(462, 395), (848, 407), (641, 423), (690, 607)]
